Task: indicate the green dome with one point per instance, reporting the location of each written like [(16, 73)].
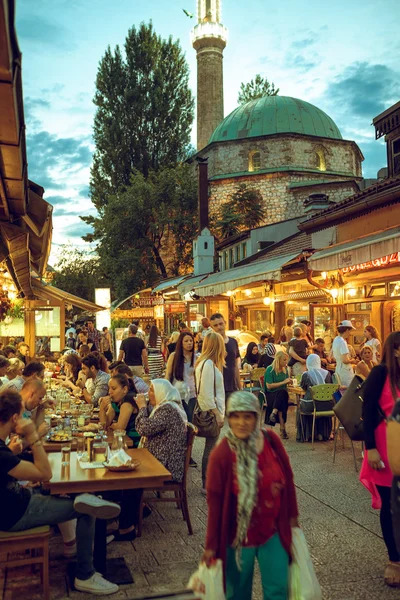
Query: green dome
[(275, 114)]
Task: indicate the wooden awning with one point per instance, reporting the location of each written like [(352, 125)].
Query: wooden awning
[(49, 292)]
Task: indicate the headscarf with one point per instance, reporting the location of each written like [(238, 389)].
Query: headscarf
[(314, 370), (165, 393), (250, 357), (270, 350), (246, 452)]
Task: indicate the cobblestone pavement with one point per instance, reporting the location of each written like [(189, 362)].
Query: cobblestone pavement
[(341, 528)]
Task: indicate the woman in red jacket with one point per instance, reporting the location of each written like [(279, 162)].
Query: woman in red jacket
[(252, 504)]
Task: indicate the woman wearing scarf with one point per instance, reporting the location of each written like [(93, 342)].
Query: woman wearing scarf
[(252, 355), (165, 428), (314, 375), (267, 358), (252, 504)]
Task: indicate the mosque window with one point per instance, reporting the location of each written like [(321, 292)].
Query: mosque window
[(254, 160), (321, 162)]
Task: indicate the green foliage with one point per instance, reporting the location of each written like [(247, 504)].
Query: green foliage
[(118, 323), (79, 272), (16, 310), (256, 88), (147, 229), (144, 111), (244, 210)]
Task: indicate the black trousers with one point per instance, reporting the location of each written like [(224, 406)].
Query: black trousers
[(395, 506), (278, 400), (130, 503), (387, 523)]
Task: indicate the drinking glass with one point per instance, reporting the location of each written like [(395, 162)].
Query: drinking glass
[(100, 451), (66, 455), (80, 446)]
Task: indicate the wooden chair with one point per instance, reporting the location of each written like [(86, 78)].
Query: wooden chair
[(179, 489), (320, 393), (36, 541), (255, 376)]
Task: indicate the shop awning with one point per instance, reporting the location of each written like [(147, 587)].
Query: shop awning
[(49, 292), (167, 284), (361, 250), (188, 284), (219, 283)]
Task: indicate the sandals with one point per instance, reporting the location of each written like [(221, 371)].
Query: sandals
[(392, 574), (284, 435)]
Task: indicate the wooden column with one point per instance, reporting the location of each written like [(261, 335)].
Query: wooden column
[(29, 334)]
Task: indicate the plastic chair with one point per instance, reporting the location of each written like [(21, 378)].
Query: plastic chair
[(320, 393), (31, 541), (179, 489)]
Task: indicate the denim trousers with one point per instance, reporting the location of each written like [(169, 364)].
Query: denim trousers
[(49, 510), (273, 561)]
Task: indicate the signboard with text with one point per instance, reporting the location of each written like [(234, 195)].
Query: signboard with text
[(385, 261)]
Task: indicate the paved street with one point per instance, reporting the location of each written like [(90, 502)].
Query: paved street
[(342, 531)]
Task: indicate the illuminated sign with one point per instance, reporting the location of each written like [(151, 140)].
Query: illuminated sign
[(378, 262)]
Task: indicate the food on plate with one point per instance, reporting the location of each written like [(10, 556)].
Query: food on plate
[(59, 436)]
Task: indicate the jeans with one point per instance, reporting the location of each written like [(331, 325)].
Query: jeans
[(48, 510), (273, 561), (209, 445), (387, 523), (189, 408)]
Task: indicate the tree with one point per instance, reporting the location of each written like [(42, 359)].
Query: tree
[(256, 88), (243, 210), (144, 111), (146, 230), (79, 272)]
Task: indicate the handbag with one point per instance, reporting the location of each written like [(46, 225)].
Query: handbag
[(393, 440), (350, 407), (205, 420), (303, 583)]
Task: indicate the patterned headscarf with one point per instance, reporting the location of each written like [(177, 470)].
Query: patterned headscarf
[(270, 350), (246, 466)]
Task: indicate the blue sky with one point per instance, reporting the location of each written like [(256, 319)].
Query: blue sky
[(342, 56)]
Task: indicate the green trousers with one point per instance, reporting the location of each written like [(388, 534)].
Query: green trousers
[(273, 561)]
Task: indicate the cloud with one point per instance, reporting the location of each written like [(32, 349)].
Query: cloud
[(301, 44), (39, 30), (76, 230), (84, 193), (56, 200), (364, 89), (49, 155)]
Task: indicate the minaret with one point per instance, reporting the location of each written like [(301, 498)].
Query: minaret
[(209, 38)]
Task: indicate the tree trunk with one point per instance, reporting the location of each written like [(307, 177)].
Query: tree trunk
[(159, 261)]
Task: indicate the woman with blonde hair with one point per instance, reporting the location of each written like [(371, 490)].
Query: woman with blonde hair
[(276, 380), (372, 341), (210, 391)]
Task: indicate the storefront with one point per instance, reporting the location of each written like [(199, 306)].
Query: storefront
[(142, 306)]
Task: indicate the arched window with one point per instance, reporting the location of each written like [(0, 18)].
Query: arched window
[(254, 160), (321, 161)]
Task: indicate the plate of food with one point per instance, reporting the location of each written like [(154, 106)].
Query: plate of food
[(132, 465), (94, 427), (60, 437)]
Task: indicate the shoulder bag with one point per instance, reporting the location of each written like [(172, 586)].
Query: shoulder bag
[(393, 440), (350, 407), (205, 420)]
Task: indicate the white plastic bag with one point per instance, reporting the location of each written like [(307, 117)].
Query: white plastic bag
[(207, 582), (303, 583)]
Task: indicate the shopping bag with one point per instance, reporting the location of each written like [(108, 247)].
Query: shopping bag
[(207, 582), (303, 583)]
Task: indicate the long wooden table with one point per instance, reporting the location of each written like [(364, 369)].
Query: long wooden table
[(56, 446), (72, 479)]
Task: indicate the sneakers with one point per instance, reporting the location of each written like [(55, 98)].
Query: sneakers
[(96, 585), (88, 504)]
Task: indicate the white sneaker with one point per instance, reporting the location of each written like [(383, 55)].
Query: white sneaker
[(88, 504), (96, 585)]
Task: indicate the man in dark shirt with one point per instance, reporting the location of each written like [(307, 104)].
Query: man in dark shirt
[(232, 359), (133, 352), (23, 508), (320, 350)]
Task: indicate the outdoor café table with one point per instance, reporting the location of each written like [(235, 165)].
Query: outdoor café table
[(72, 479), (297, 391), (56, 446)]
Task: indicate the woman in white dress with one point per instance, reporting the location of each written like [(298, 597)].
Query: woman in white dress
[(341, 353)]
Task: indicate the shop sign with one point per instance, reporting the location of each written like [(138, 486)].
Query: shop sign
[(149, 301), (135, 313), (159, 312), (175, 307), (372, 264)]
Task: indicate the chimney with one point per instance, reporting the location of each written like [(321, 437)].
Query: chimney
[(315, 203), (203, 193)]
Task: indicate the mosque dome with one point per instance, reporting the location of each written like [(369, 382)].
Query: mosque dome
[(271, 115)]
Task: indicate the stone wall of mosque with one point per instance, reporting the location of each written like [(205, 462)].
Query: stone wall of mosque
[(281, 201), (320, 155)]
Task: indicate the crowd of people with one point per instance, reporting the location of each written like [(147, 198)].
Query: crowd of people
[(153, 389)]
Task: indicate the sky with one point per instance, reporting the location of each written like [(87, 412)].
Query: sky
[(342, 56)]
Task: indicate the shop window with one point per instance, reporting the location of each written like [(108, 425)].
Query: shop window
[(254, 160), (321, 161), (244, 250), (394, 288), (47, 331), (377, 290)]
